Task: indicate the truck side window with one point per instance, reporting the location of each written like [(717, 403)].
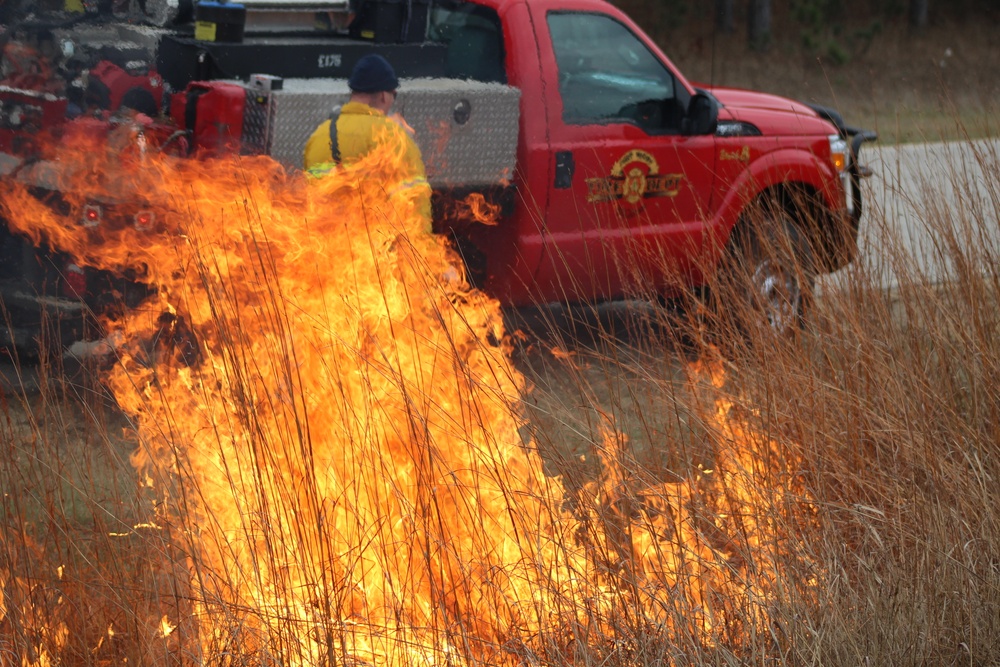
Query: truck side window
[(607, 75), (474, 39)]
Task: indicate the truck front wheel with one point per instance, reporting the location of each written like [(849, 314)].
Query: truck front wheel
[(767, 286)]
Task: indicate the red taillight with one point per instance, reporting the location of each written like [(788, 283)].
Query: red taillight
[(74, 282), (144, 220), (91, 216)]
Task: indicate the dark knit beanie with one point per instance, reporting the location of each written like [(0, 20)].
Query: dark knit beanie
[(373, 74)]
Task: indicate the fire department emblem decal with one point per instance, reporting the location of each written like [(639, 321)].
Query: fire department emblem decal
[(634, 177)]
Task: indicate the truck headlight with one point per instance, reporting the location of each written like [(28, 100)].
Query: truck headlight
[(840, 153), (840, 158)]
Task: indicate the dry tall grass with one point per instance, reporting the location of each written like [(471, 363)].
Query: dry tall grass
[(842, 496), (889, 397)]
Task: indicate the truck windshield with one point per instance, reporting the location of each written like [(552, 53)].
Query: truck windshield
[(606, 74), (474, 39)]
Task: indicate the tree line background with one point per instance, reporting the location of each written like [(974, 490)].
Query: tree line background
[(814, 19), (914, 70)]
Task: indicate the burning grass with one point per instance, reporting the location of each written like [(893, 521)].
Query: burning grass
[(337, 458)]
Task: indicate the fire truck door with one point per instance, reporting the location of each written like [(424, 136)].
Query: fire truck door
[(630, 193)]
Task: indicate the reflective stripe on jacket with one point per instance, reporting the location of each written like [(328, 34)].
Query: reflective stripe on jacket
[(358, 127)]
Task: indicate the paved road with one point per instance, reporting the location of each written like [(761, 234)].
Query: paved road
[(920, 197)]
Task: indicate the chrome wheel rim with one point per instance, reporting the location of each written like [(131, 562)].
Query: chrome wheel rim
[(779, 296)]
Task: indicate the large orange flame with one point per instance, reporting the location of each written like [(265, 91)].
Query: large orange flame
[(331, 421)]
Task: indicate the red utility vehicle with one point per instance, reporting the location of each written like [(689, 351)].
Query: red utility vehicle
[(627, 173), (614, 173)]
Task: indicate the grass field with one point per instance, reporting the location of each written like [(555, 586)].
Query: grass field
[(938, 84), (822, 500), (625, 485)]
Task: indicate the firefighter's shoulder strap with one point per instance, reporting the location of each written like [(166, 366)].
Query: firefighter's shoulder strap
[(334, 141)]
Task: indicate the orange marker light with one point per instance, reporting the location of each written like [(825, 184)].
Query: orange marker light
[(91, 215)]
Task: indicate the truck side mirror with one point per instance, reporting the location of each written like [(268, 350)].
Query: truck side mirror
[(702, 115)]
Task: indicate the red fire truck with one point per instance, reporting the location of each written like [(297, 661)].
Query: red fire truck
[(613, 172)]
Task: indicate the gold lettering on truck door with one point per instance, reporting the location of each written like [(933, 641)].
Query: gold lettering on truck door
[(742, 155), (634, 176)]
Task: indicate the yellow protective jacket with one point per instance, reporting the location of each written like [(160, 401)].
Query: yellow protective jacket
[(358, 127)]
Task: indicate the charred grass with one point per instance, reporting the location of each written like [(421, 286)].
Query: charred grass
[(871, 533)]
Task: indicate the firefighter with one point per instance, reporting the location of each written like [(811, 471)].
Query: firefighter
[(353, 129)]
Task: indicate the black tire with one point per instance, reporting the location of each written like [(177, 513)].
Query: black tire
[(766, 287)]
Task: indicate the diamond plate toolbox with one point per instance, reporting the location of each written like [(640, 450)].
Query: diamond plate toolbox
[(466, 130)]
